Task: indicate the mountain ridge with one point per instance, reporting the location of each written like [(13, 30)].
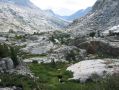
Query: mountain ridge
[(19, 2), (78, 14), (27, 18), (103, 16)]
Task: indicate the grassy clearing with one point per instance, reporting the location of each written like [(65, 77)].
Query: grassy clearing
[(48, 73), (27, 55), (9, 80), (48, 76)]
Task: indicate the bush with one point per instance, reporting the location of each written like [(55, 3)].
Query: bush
[(13, 55), (71, 56), (24, 82), (35, 62), (62, 37), (4, 50), (9, 51), (92, 34)]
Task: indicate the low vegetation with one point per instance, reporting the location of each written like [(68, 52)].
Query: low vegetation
[(62, 37), (49, 76), (4, 50), (24, 82), (9, 51), (92, 34)]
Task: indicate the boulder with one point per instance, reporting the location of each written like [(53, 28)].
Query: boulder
[(6, 64), (93, 69), (67, 51), (2, 66), (9, 63), (104, 46), (39, 47)]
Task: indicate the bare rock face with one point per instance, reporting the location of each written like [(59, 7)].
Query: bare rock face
[(104, 46), (104, 14), (6, 64), (19, 2), (68, 52), (94, 69), (9, 63), (22, 15)]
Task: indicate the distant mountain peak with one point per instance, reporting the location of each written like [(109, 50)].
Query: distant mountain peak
[(77, 14), (49, 10)]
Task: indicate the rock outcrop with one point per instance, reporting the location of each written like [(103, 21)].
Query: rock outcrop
[(103, 16), (6, 64), (104, 46), (94, 69), (22, 15)]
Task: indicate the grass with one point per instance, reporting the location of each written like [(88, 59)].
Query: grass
[(48, 73), (48, 79), (28, 55), (25, 82)]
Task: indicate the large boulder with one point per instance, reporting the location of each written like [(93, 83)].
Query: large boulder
[(2, 66), (94, 69), (6, 64), (104, 46), (67, 52), (9, 63), (38, 47)]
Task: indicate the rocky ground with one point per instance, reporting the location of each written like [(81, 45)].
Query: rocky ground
[(88, 48)]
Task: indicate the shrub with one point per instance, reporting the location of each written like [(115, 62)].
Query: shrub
[(92, 34), (4, 50), (62, 37), (24, 82), (35, 62), (9, 51), (13, 55), (71, 56)]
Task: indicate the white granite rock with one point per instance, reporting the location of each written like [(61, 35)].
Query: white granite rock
[(85, 69)]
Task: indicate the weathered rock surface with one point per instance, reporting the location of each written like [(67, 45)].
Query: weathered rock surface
[(101, 45), (103, 16), (64, 50), (38, 47), (22, 15), (59, 54), (11, 88), (84, 70), (6, 64)]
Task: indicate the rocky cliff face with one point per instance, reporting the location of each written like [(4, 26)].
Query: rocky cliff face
[(25, 3), (22, 15), (104, 15)]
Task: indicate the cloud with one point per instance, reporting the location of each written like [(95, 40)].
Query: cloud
[(64, 7)]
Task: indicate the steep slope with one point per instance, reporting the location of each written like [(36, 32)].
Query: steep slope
[(104, 15), (77, 15), (54, 18), (19, 2), (22, 15)]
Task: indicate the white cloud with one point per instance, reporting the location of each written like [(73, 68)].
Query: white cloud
[(63, 7)]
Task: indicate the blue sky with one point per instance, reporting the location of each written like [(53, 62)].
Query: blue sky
[(64, 7)]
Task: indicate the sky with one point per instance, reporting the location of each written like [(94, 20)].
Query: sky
[(64, 7)]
